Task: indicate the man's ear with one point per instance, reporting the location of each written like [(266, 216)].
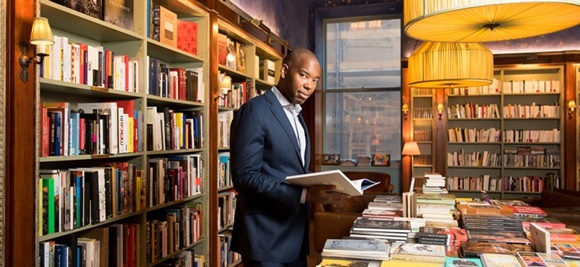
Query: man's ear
[(284, 70)]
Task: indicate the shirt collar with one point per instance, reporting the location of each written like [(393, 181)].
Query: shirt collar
[(284, 102)]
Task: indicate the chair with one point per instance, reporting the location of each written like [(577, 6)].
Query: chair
[(335, 220)]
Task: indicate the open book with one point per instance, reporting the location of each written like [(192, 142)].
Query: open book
[(334, 177)]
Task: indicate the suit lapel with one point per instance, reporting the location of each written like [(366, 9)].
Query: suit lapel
[(307, 151), (280, 115)]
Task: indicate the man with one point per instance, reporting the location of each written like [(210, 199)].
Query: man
[(269, 141)]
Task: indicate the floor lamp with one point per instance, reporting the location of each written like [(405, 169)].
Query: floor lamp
[(411, 149)]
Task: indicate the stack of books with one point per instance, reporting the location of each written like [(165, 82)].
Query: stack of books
[(377, 228), (434, 184), (451, 238), (367, 249), (436, 207)]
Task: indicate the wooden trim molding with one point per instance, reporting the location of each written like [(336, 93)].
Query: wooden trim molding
[(3, 74)]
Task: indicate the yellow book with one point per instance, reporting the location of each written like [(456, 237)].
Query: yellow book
[(400, 263), (131, 141), (179, 126), (331, 262)]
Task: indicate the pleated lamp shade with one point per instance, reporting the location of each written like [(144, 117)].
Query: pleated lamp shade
[(487, 20), (41, 33), (450, 65)]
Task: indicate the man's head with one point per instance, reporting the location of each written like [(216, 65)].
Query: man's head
[(299, 75)]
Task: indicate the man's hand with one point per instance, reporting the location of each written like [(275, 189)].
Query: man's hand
[(324, 194)]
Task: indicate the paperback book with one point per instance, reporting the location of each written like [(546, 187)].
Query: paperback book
[(356, 248), (332, 177)]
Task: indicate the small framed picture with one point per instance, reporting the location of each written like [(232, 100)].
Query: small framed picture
[(330, 159), (381, 159)]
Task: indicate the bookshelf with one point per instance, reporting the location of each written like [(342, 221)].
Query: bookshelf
[(423, 110), (236, 85), (164, 184), (496, 135)]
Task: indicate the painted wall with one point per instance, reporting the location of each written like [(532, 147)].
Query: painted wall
[(296, 24)]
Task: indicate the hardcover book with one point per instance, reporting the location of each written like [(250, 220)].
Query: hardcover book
[(418, 252), (357, 248), (119, 12), (474, 248), (187, 36), (499, 260), (92, 8), (167, 27), (331, 262), (462, 262), (540, 259), (380, 225), (332, 177)]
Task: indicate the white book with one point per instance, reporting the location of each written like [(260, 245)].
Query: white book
[(333, 177)]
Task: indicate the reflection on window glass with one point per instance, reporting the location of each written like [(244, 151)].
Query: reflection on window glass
[(363, 88), (363, 124), (364, 54)]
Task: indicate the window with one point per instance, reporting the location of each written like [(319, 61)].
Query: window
[(362, 87)]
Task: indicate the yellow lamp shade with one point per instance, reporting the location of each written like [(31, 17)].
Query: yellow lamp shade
[(41, 33), (485, 20), (448, 65)]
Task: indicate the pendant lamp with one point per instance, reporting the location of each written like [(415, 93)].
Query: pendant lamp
[(487, 20), (449, 65)]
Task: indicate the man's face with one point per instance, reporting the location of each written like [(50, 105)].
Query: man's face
[(300, 79)]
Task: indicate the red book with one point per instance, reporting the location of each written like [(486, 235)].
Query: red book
[(187, 36), (528, 211), (45, 132)]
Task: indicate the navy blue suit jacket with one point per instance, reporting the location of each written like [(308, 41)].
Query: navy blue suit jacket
[(270, 223)]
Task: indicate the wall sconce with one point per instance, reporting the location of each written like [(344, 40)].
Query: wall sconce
[(405, 110), (440, 110), (571, 108), (41, 36)]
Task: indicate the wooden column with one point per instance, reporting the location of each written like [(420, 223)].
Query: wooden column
[(19, 118)]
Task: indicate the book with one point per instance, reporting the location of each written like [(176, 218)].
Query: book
[(499, 260), (332, 262), (380, 225), (540, 259), (332, 177), (372, 249), (418, 252), (167, 27), (462, 262), (187, 36), (119, 12), (475, 248)]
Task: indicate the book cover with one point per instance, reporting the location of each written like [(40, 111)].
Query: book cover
[(187, 36), (499, 260), (119, 12), (357, 248), (332, 262), (332, 177), (462, 262), (222, 48), (475, 248), (92, 8), (380, 225), (167, 27), (418, 252)]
